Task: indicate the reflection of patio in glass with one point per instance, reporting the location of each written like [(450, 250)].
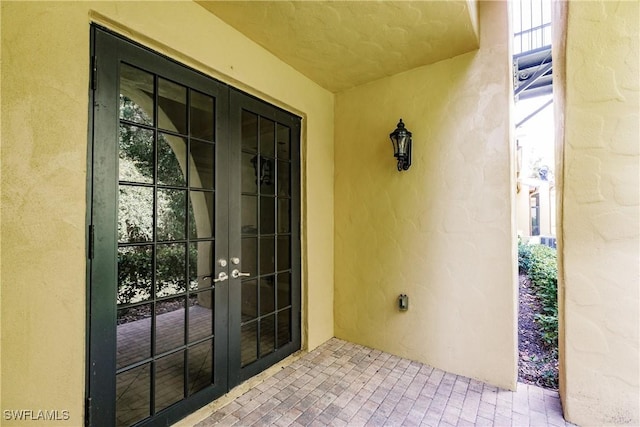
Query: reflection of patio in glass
[(249, 350), (133, 387)]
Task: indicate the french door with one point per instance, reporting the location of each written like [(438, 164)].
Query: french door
[(194, 236)]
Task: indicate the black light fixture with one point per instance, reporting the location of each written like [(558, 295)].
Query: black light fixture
[(262, 169), (401, 140)]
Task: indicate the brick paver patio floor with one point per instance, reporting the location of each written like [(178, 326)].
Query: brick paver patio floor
[(344, 384)]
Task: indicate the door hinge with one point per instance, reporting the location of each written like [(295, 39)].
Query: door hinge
[(87, 412), (94, 72), (91, 240)]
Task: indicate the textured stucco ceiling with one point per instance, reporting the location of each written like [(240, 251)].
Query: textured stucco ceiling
[(342, 44)]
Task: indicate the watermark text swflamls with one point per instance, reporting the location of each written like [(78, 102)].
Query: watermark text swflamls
[(35, 415)]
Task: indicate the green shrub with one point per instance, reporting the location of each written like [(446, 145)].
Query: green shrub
[(134, 274), (549, 325), (543, 272), (524, 257)]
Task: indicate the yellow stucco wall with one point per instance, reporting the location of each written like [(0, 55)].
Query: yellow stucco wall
[(45, 69), (599, 274), (443, 232), (522, 212)]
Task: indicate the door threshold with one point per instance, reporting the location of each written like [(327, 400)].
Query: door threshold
[(204, 412)]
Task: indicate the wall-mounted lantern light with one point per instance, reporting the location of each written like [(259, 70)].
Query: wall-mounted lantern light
[(401, 140), (262, 169)]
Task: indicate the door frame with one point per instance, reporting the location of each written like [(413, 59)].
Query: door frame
[(109, 48), (239, 101), (101, 333)]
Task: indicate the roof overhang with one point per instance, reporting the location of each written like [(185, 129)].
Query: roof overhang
[(343, 44)]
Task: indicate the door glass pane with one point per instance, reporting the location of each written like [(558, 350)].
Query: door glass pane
[(200, 366), (169, 324), (200, 316), (284, 327), (267, 215), (249, 309), (169, 380), (133, 390), (172, 160), (172, 106), (249, 131), (250, 256), (136, 95), (200, 260), (283, 216), (135, 154), (135, 214), (284, 179), (133, 335), (171, 214), (284, 254), (248, 343), (201, 215), (267, 137), (249, 174), (267, 295), (202, 166), (284, 290), (202, 117), (135, 266), (249, 215), (284, 144), (267, 335), (267, 255), (171, 269)]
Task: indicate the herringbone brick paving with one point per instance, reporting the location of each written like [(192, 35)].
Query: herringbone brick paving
[(345, 384)]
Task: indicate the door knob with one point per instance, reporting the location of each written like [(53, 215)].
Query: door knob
[(221, 277), (236, 273)]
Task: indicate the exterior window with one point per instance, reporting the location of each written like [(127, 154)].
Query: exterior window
[(534, 208)]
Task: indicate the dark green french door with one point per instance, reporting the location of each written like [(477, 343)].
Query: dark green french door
[(194, 236)]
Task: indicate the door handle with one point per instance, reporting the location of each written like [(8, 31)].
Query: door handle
[(236, 273), (221, 277)]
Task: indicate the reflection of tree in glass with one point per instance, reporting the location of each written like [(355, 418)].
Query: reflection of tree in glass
[(136, 144), (132, 112), (169, 168), (171, 214), (134, 274), (170, 269), (135, 214), (192, 222)]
